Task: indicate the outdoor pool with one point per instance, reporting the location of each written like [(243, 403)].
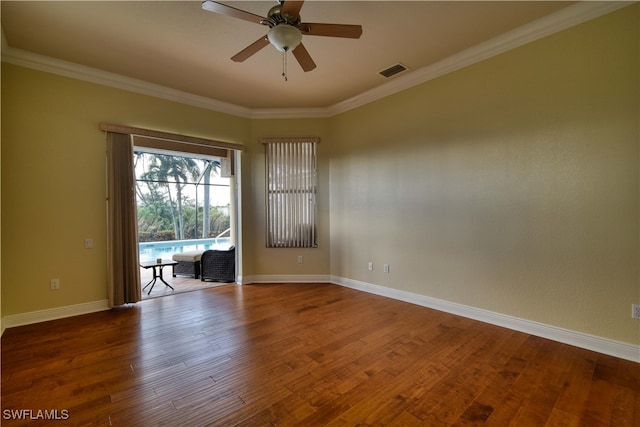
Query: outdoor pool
[(150, 251)]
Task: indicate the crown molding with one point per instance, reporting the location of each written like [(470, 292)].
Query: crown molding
[(48, 64), (543, 27), (558, 21), (290, 113)]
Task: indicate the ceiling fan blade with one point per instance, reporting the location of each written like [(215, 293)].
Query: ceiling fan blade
[(250, 50), (291, 8), (223, 9), (331, 30), (303, 57)]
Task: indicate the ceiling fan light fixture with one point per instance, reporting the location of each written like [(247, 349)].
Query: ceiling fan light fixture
[(284, 37)]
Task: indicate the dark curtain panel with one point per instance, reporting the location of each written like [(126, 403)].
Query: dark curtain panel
[(123, 264)]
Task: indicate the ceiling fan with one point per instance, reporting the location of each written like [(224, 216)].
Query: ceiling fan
[(285, 30)]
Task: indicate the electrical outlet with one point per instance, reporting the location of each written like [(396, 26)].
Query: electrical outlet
[(370, 266), (300, 260), (386, 268), (635, 311), (55, 284), (88, 243)]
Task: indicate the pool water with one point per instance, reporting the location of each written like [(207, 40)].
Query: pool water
[(150, 251)]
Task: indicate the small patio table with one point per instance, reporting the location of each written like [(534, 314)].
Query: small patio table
[(157, 272)]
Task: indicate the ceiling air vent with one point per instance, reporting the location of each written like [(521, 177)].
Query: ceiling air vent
[(393, 70)]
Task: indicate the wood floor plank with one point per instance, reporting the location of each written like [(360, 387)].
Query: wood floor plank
[(308, 355)]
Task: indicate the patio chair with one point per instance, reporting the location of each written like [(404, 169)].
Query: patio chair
[(218, 265)]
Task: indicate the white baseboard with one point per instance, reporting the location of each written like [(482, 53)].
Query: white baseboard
[(53, 314), (590, 342), (287, 278)]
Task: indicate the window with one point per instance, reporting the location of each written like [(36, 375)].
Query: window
[(291, 192), (180, 196)]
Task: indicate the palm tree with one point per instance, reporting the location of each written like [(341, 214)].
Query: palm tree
[(168, 170), (210, 166), (154, 212)]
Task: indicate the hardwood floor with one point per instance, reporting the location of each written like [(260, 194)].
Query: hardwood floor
[(304, 355)]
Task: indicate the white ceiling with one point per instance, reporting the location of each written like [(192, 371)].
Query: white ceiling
[(177, 45)]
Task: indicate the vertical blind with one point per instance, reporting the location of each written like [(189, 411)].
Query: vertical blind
[(291, 170)]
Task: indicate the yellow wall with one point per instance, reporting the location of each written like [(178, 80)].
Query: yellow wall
[(510, 186), (53, 179), (260, 260), (53, 184)]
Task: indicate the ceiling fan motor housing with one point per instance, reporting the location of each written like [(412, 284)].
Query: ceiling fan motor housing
[(275, 17)]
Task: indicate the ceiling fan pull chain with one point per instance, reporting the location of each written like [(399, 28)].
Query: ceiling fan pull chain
[(284, 65)]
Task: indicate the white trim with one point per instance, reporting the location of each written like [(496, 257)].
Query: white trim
[(291, 113), (538, 29), (47, 64), (590, 342), (287, 278), (53, 313), (550, 24)]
